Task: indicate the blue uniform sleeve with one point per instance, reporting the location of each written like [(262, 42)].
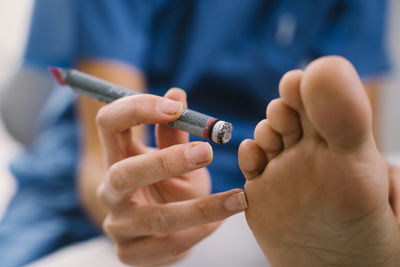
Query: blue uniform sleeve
[(115, 30), (66, 31), (355, 29), (52, 34)]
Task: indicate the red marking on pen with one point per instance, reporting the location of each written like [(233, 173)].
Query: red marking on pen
[(56, 73), (191, 121), (207, 130)]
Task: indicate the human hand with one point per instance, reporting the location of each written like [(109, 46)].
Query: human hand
[(157, 199)]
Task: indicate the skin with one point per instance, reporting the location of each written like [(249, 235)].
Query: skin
[(93, 169), (337, 204), (94, 172), (372, 89), (154, 203)]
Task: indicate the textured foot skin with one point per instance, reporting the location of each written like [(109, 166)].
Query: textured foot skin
[(317, 187)]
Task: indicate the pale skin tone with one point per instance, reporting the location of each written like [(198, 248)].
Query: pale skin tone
[(93, 169), (156, 201), (129, 204), (337, 204)]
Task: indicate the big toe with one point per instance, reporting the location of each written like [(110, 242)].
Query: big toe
[(335, 101)]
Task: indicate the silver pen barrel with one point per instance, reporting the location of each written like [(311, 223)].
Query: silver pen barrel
[(190, 121)]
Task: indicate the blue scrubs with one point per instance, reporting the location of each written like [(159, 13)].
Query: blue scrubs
[(228, 55)]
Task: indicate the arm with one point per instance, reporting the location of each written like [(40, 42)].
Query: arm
[(92, 168)]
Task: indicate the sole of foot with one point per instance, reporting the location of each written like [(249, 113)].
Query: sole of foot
[(317, 186)]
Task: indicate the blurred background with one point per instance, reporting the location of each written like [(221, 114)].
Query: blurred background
[(14, 21)]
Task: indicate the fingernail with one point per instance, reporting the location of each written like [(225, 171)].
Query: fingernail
[(199, 153), (169, 107), (236, 202)]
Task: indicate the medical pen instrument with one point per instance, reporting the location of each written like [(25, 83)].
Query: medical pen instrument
[(190, 121)]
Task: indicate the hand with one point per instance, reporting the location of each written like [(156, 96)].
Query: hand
[(157, 200)]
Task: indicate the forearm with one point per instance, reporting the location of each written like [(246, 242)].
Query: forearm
[(92, 170), (92, 173)]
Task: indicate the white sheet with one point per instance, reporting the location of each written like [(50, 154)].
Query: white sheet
[(231, 245)]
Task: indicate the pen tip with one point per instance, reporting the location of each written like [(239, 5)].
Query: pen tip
[(56, 73), (221, 132)]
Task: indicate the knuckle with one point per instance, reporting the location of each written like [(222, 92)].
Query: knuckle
[(108, 225), (203, 209), (158, 222), (116, 177), (101, 194), (102, 117), (138, 223), (164, 165), (139, 105)]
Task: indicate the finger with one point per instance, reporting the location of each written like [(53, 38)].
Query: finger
[(160, 249), (167, 136), (252, 159), (176, 216), (131, 173), (118, 117)]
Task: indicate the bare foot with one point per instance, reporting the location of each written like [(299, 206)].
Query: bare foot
[(317, 187)]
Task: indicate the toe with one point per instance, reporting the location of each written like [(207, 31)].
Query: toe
[(269, 140), (336, 103), (289, 89), (252, 159), (285, 121)]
